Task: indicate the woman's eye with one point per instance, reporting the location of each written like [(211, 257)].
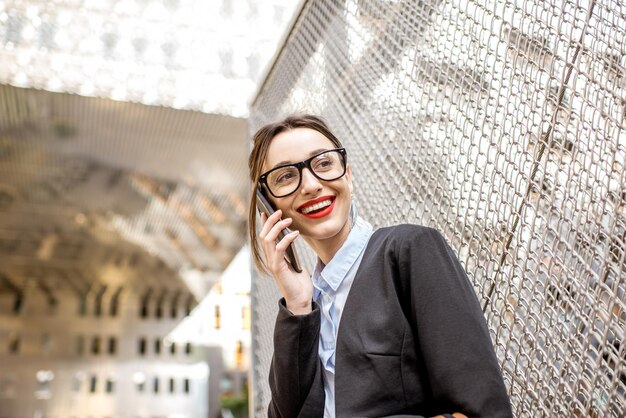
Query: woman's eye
[(322, 163), (284, 177)]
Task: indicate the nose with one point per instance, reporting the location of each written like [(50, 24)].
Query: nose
[(310, 183)]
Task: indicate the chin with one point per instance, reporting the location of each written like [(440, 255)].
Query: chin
[(324, 231)]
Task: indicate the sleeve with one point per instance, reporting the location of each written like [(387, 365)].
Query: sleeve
[(295, 378), (452, 333)]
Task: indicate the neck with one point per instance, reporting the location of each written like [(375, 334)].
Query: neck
[(327, 248)]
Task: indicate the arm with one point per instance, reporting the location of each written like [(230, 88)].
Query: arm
[(452, 333), (296, 373)]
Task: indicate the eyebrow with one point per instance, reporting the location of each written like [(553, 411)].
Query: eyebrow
[(312, 153)]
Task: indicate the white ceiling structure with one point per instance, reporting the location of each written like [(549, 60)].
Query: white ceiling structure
[(186, 54)]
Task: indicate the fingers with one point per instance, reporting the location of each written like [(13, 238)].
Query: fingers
[(273, 227), (273, 245), (284, 243), (296, 288), (274, 234), (278, 261), (268, 222)]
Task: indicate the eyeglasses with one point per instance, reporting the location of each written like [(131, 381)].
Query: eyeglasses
[(284, 180)]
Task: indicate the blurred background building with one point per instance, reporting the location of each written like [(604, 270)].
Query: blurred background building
[(123, 186)]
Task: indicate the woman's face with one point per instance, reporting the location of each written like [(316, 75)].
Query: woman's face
[(328, 222)]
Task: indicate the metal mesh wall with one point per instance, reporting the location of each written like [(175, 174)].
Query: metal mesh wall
[(502, 124)]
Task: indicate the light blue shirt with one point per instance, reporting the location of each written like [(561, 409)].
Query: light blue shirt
[(331, 287)]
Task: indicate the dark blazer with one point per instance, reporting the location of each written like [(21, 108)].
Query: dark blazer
[(412, 340)]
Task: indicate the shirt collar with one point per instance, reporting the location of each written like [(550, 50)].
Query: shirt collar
[(336, 270)]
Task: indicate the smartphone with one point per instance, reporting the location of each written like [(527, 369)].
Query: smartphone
[(266, 207)]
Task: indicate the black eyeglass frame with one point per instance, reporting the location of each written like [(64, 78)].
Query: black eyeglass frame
[(302, 164)]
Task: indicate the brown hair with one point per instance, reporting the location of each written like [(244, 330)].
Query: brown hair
[(261, 143)]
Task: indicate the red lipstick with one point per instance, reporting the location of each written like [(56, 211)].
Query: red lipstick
[(318, 213)]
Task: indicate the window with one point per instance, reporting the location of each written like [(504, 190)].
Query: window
[(186, 385), (142, 346), (217, 317), (110, 385), (115, 302), (18, 303), (188, 305), (44, 378), (93, 384), (157, 346), (112, 345), (82, 307), (155, 385), (239, 354), (246, 318), (172, 348), (174, 305), (188, 348), (14, 343), (227, 383), (218, 288), (145, 301), (172, 385), (95, 345), (140, 381), (158, 313), (77, 381)]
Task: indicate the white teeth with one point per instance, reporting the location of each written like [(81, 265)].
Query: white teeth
[(316, 206)]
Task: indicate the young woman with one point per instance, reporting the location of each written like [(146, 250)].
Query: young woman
[(388, 323)]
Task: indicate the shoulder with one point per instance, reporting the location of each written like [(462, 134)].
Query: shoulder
[(406, 234), (405, 241)]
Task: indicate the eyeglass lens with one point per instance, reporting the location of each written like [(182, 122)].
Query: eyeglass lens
[(326, 166)]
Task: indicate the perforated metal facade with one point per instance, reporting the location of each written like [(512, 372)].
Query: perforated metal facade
[(502, 124)]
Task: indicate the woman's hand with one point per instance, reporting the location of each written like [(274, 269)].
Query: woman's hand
[(296, 288)]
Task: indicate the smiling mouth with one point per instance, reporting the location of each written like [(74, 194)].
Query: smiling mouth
[(318, 207)]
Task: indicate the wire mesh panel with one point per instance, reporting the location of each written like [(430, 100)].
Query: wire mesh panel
[(502, 124)]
